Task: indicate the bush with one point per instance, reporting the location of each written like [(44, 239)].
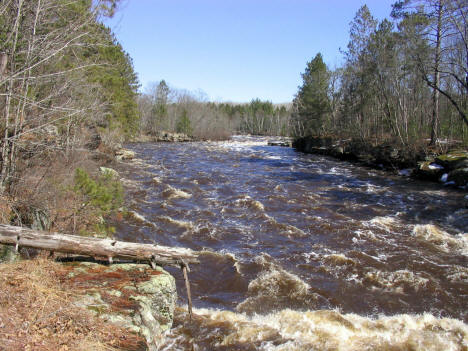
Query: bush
[(102, 196)]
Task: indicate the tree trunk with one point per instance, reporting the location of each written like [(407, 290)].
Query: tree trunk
[(108, 248), (435, 93)]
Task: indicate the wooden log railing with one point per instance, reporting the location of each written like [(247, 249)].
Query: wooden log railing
[(96, 247), (108, 248)]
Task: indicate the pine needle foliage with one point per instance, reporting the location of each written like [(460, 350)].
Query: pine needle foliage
[(102, 196)]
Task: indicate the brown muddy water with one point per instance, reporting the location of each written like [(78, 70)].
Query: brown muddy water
[(302, 252)]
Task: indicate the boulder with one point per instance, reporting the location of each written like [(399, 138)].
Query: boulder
[(459, 177), (430, 171), (133, 296), (173, 137), (124, 154), (453, 160), (286, 142), (112, 172)]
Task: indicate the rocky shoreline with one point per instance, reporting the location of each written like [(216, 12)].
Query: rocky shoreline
[(134, 297), (162, 137), (450, 169)]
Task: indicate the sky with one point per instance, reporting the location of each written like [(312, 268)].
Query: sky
[(235, 50)]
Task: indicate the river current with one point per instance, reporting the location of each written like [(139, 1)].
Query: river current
[(301, 252)]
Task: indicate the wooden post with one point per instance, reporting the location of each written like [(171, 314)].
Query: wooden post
[(185, 268)]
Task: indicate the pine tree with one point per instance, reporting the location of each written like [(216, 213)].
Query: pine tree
[(312, 102)]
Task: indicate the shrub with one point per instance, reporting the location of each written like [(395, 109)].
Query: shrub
[(102, 197)]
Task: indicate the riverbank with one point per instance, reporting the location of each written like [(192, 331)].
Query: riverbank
[(162, 137), (450, 168), (81, 305), (45, 305)]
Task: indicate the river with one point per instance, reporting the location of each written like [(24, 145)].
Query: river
[(302, 252)]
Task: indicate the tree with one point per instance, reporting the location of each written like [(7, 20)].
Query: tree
[(183, 124), (358, 81), (443, 27), (60, 69), (312, 102), (115, 73)]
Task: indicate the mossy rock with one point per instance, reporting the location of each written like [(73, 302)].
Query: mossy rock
[(430, 171), (133, 296), (453, 160)]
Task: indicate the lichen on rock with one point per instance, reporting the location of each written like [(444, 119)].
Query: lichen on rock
[(132, 296)]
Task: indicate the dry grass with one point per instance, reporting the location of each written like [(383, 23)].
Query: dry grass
[(37, 312)]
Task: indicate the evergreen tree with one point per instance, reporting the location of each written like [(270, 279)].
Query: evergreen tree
[(183, 124), (312, 102), (358, 76)]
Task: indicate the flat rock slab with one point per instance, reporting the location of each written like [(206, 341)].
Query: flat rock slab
[(133, 296)]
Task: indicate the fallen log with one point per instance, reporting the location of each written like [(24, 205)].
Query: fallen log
[(96, 247)]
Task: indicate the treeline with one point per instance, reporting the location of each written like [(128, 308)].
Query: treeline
[(404, 80), (67, 94), (164, 109)]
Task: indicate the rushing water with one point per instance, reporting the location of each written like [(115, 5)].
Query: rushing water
[(302, 252)]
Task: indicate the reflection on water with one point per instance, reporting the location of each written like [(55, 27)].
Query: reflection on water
[(302, 252)]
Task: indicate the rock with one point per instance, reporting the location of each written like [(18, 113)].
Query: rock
[(40, 219), (94, 141), (173, 137), (453, 160), (133, 296), (286, 142), (124, 154), (430, 171), (110, 171), (8, 254), (337, 151), (459, 177)]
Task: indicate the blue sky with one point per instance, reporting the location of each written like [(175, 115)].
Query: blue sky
[(235, 50)]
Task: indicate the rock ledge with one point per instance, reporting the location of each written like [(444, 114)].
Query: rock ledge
[(133, 296)]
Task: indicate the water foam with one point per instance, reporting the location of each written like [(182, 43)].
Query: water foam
[(247, 201), (173, 193), (183, 224), (325, 330), (273, 287), (287, 229), (386, 223), (157, 180), (441, 239), (395, 281), (139, 218)]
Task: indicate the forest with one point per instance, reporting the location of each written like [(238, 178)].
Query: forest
[(404, 80), (70, 98), (68, 95), (180, 111)]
